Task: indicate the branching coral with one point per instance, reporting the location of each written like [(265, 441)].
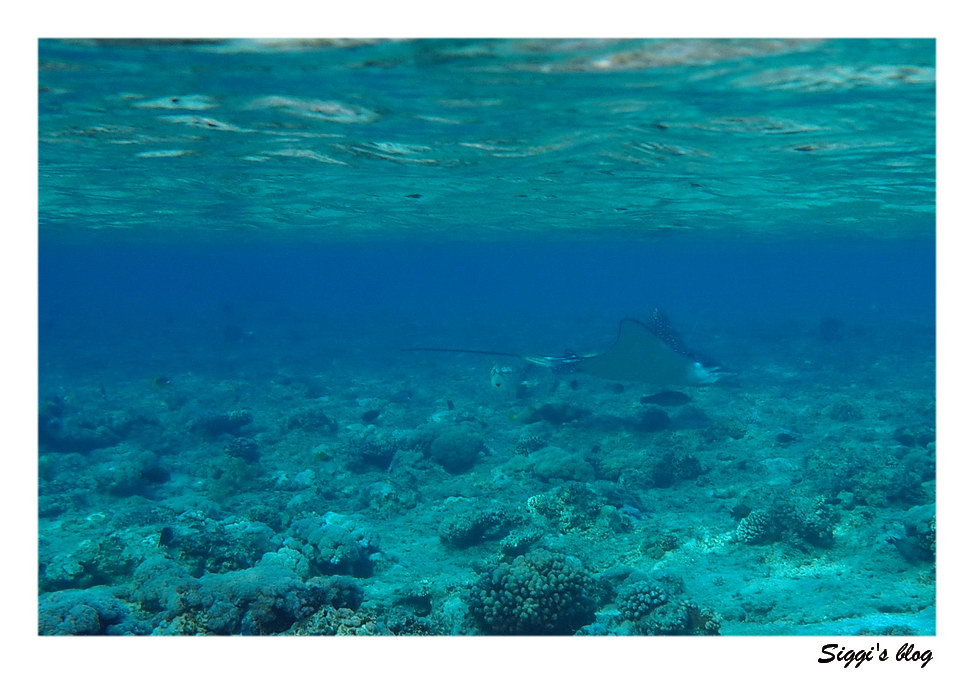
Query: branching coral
[(541, 593)]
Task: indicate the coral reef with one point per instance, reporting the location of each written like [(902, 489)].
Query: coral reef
[(161, 585), (754, 528), (336, 550), (457, 450), (640, 599), (541, 593), (685, 618), (528, 443), (553, 464), (66, 427), (331, 621), (86, 612), (673, 467), (338, 591), (656, 607), (518, 542), (231, 476), (203, 544), (263, 407), (916, 542), (916, 435), (470, 528), (215, 425), (374, 449), (641, 469), (243, 448), (128, 470), (571, 507), (795, 519), (659, 544), (265, 599), (311, 419)]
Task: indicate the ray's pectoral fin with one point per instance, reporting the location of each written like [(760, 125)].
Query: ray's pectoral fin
[(640, 354)]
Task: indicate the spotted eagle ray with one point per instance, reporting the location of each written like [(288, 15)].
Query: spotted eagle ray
[(651, 353)]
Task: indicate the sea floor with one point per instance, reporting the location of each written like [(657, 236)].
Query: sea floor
[(407, 494)]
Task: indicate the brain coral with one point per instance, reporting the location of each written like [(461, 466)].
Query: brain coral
[(539, 593)]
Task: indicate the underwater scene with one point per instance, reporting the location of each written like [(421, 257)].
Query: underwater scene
[(486, 337)]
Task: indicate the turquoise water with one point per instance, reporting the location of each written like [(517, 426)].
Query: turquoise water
[(766, 137), (238, 239)]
